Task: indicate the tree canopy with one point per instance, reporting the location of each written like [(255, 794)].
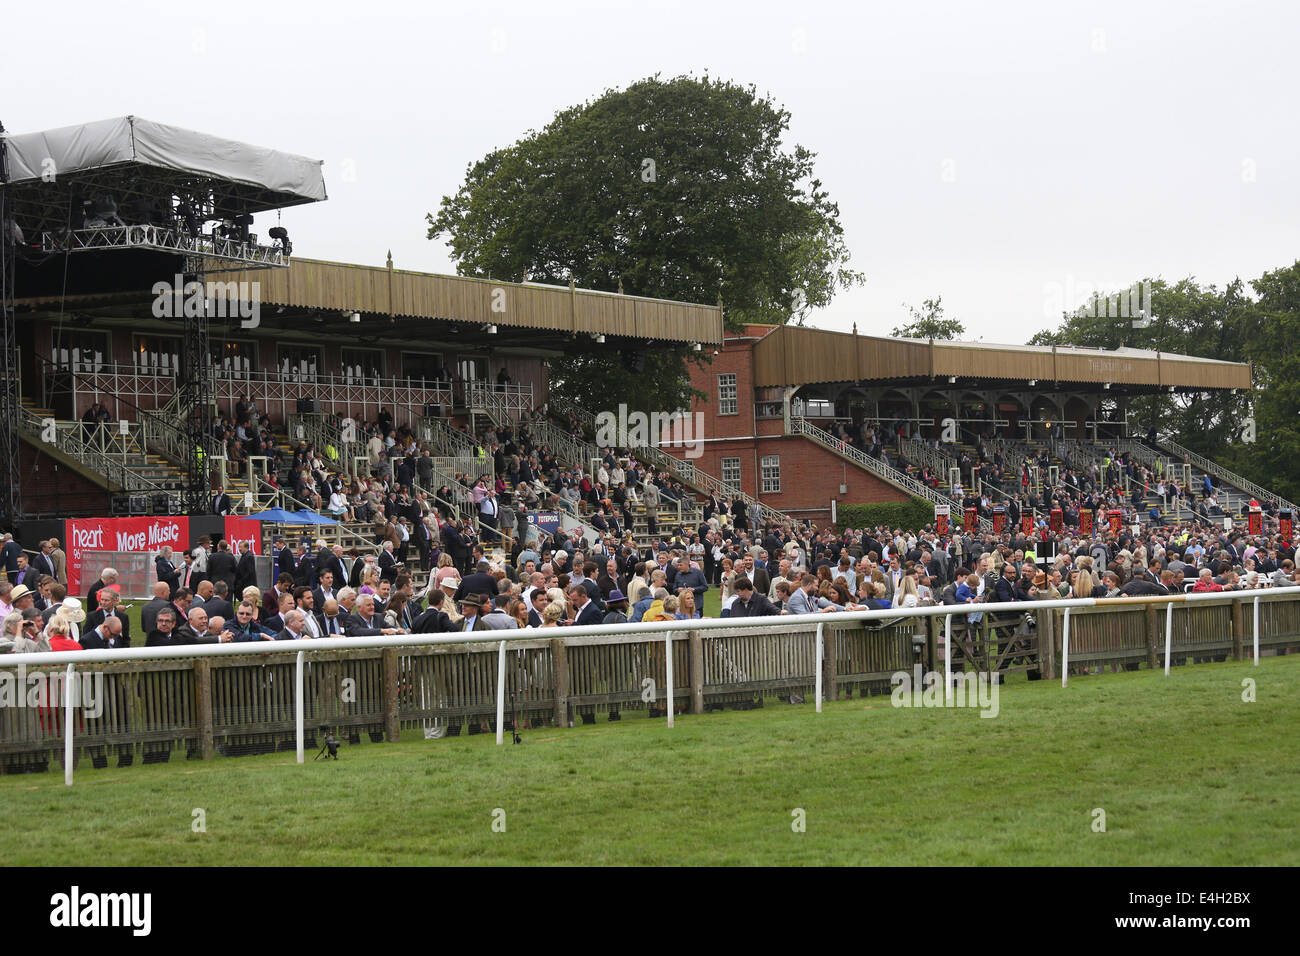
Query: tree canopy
[(1260, 325), (676, 189), (928, 323)]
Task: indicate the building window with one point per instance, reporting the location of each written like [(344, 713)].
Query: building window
[(157, 355), (362, 365), (80, 351), (423, 367), (233, 359), (298, 363), (731, 474), (770, 473), (727, 398)]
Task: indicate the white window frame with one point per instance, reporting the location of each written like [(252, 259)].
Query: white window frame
[(728, 405), (769, 470), (733, 488)]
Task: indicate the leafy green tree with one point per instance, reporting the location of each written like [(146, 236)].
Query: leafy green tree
[(928, 323), (675, 189)]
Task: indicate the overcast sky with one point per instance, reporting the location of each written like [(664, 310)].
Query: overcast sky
[(1009, 157)]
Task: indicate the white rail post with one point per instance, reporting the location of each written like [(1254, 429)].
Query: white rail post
[(1065, 649), (501, 694), (1256, 615), (297, 704), (68, 680), (947, 658), (821, 655), (668, 645), (1169, 634)]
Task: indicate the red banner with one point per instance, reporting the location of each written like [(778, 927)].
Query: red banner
[(119, 534), (1056, 520), (999, 519), (1284, 524), (971, 521), (239, 530), (1026, 524), (1116, 517), (1255, 520), (1085, 521)]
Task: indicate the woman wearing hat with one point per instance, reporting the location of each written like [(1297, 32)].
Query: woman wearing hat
[(72, 612), (616, 608)]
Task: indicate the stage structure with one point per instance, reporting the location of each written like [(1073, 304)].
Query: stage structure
[(129, 185)]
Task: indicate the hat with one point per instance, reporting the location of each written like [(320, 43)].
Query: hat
[(1040, 580), (471, 599), (616, 597), (19, 592), (451, 582), (70, 610)]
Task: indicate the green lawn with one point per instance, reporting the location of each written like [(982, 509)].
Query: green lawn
[(1186, 772)]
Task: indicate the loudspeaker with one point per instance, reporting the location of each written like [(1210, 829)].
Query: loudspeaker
[(306, 406)]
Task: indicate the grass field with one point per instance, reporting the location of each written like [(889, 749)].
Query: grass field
[(1186, 772)]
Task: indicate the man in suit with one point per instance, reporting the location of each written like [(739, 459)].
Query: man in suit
[(149, 612), (325, 591), (167, 571), (284, 603), (434, 620), (285, 563), (219, 603), (304, 603), (803, 600), (480, 582), (471, 605), (43, 564), (161, 635), (221, 566), (195, 630), (365, 623), (387, 563), (295, 626), (453, 542), (327, 561), (271, 598), (221, 502), (585, 610), (762, 581), (538, 601), (60, 561), (106, 635), (330, 618), (245, 569), (107, 611), (304, 573)]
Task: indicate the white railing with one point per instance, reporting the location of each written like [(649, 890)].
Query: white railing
[(1262, 495), (669, 631), (99, 448), (801, 426), (919, 453)]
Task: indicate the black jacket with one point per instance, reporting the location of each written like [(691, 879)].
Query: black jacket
[(221, 567), (96, 618), (759, 606)]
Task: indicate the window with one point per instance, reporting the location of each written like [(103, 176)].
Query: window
[(361, 365), (80, 351), (157, 354), (727, 399), (298, 363), (731, 474), (770, 473), (423, 367), (233, 359)]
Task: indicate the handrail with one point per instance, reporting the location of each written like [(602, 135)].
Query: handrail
[(918, 451), (801, 426), (1223, 474), (683, 471), (70, 439)]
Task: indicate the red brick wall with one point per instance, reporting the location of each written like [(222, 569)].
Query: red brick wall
[(47, 487)]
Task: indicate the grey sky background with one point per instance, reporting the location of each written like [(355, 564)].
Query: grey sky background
[(1009, 157)]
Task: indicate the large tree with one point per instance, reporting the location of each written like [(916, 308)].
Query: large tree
[(677, 189), (1228, 323)]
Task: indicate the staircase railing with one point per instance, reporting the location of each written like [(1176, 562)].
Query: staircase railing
[(683, 470), (801, 426), (90, 446), (922, 454), (1223, 474)]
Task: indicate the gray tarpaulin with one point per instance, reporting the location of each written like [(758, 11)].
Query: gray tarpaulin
[(130, 139)]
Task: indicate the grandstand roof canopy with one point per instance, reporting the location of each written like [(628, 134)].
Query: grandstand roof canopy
[(795, 355)]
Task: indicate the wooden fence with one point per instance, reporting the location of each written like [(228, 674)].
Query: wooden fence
[(231, 705)]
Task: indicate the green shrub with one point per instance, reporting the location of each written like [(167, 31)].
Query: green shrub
[(910, 515)]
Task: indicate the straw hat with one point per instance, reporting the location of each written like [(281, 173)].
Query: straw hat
[(71, 610)]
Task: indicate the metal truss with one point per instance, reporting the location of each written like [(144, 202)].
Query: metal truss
[(163, 239)]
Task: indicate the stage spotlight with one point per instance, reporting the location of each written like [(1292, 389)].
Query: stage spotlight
[(600, 340), (281, 234), (698, 347), (491, 330), (356, 317)]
